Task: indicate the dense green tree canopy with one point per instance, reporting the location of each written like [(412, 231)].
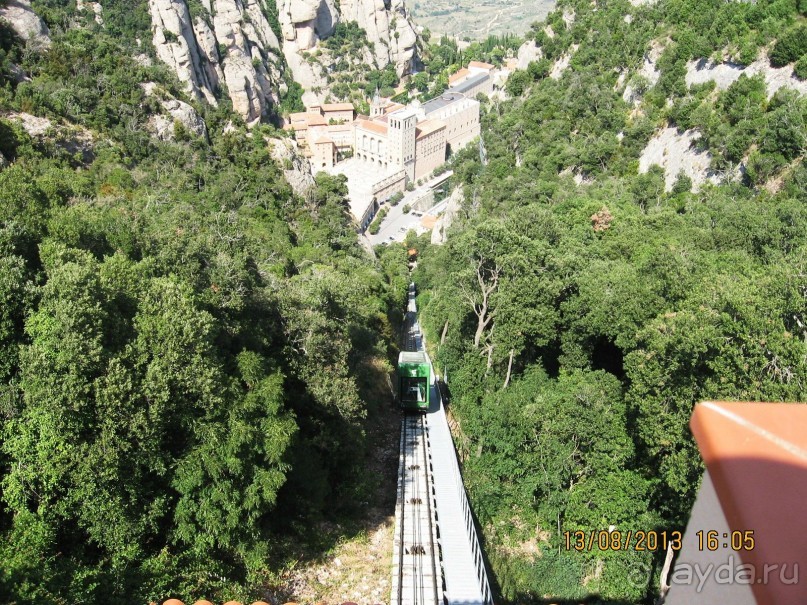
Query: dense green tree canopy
[(580, 319)]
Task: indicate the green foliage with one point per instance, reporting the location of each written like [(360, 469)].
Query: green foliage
[(187, 348), (800, 68), (517, 83), (791, 46), (375, 226), (615, 303)]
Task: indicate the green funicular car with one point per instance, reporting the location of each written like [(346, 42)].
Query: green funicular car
[(414, 381)]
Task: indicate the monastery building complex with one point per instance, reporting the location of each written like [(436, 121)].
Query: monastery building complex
[(395, 145)]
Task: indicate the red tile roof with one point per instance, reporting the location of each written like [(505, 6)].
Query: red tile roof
[(481, 65), (426, 127), (756, 454), (373, 126), (459, 75), (337, 107)]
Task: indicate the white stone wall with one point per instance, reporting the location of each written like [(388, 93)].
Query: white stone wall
[(430, 152), (372, 147), (462, 122)]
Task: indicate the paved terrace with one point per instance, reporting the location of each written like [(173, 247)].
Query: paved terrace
[(361, 176), (396, 224)]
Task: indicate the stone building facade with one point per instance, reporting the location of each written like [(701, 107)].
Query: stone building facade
[(396, 144)]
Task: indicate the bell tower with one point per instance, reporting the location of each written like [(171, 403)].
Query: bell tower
[(401, 136), (376, 106)]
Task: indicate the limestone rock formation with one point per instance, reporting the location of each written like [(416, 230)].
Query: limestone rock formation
[(296, 168), (26, 23), (676, 153), (390, 34), (186, 115), (175, 111), (446, 219), (388, 28), (94, 7), (232, 45), (175, 43), (307, 21), (527, 53)]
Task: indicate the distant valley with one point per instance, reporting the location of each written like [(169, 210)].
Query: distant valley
[(477, 20)]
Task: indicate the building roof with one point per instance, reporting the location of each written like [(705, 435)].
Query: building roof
[(756, 455), (323, 139), (403, 114), (480, 65), (303, 115), (392, 107), (337, 107), (445, 99), (470, 83), (426, 127), (372, 126), (459, 75)]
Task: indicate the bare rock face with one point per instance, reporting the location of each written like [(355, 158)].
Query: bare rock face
[(95, 7), (186, 115), (446, 219), (390, 33), (388, 28), (527, 53), (174, 111), (250, 44), (26, 23), (231, 46), (176, 46), (304, 23), (307, 21), (296, 168)]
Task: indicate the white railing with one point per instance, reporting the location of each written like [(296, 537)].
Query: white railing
[(470, 526)]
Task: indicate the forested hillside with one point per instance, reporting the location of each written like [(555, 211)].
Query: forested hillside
[(581, 306), (189, 351)]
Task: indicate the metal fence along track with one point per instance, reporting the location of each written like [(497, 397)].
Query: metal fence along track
[(437, 558)]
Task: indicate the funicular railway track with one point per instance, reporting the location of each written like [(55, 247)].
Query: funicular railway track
[(437, 559), (418, 579)]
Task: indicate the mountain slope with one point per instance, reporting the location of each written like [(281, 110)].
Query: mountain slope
[(257, 49), (189, 350), (633, 242)]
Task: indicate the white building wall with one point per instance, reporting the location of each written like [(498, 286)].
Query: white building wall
[(372, 147), (462, 122), (430, 153)]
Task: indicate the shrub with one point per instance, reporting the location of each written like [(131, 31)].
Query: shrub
[(791, 46), (407, 209), (800, 68)]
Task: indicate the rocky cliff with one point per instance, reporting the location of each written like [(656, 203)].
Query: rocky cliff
[(227, 44), (26, 23), (389, 30), (215, 45)]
